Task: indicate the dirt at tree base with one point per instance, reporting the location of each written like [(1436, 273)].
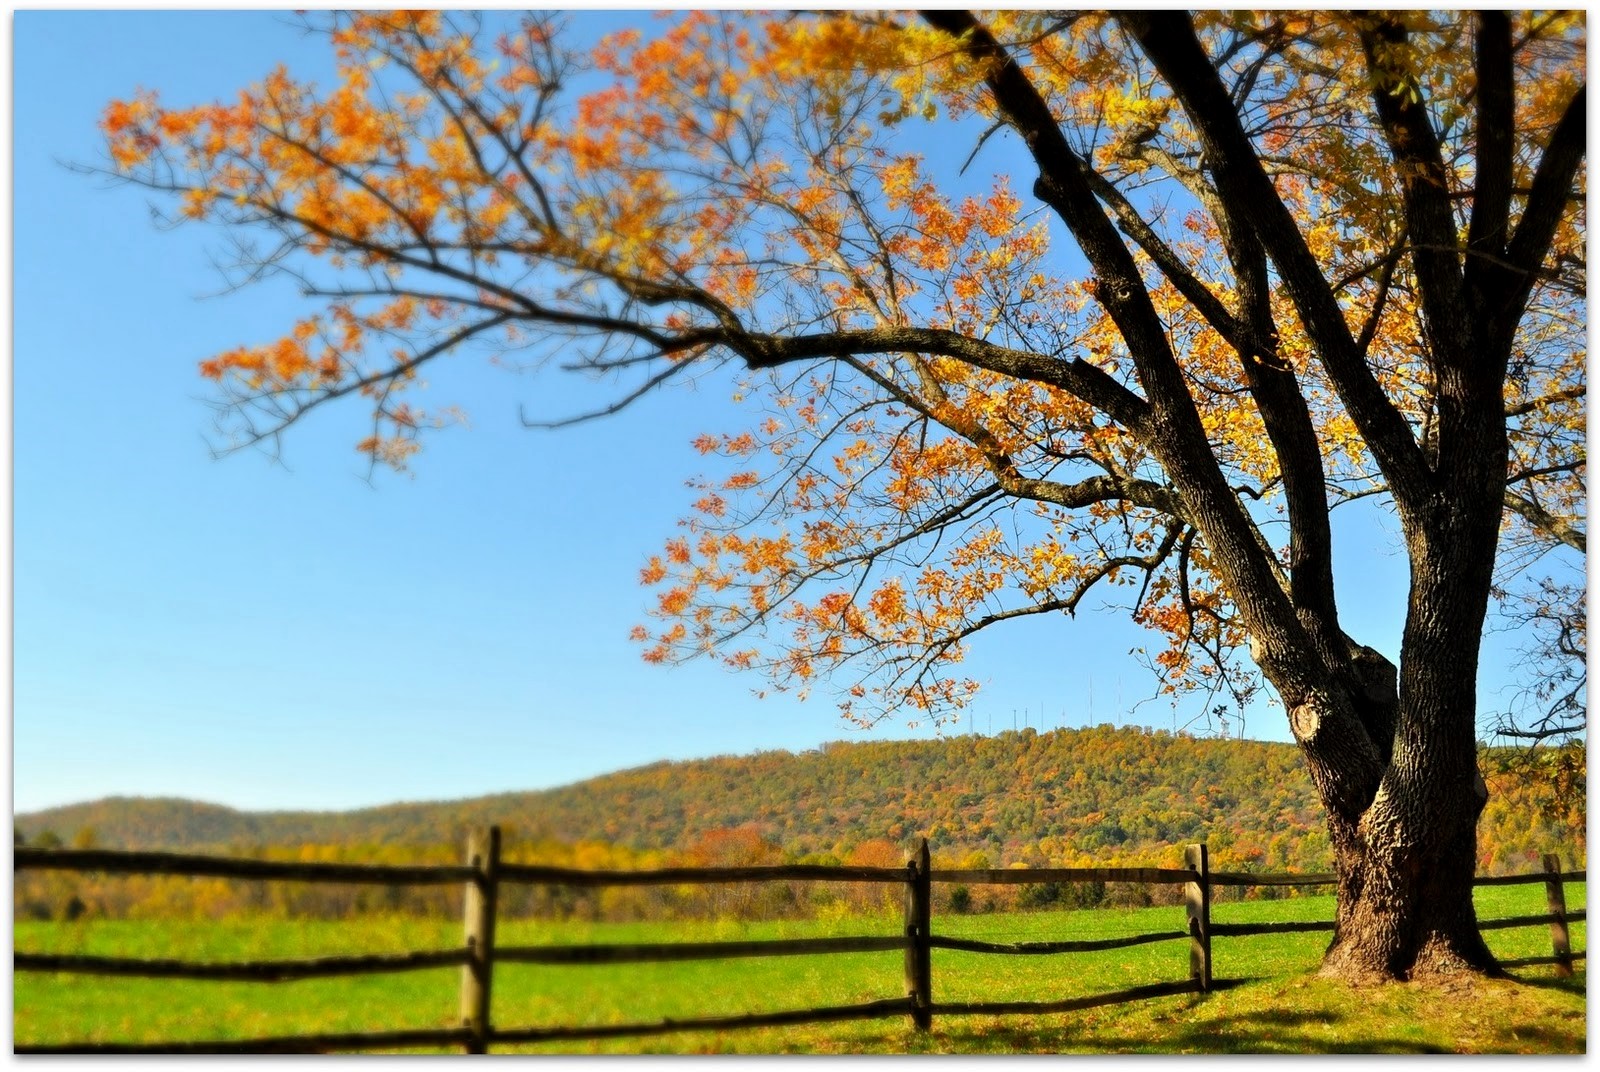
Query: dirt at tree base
[(1436, 965), (1441, 971)]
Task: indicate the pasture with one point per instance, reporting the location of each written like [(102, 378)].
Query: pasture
[(1267, 1002)]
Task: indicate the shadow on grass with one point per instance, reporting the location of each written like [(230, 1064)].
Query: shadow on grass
[(1186, 1024), (1272, 1032), (1193, 1024), (1578, 984), (1553, 1041), (1284, 1015), (1249, 1033)]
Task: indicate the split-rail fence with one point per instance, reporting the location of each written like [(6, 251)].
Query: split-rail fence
[(485, 872)]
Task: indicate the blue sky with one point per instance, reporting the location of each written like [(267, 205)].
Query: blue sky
[(270, 635)]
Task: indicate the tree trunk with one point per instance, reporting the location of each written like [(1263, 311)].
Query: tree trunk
[(1405, 891), (1407, 855)]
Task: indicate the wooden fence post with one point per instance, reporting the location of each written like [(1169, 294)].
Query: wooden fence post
[(919, 950), (1556, 897), (1197, 905), (483, 853)]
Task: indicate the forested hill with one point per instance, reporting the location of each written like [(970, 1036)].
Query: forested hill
[(1065, 797)]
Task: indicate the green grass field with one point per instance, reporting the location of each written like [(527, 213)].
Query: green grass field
[(1274, 1004)]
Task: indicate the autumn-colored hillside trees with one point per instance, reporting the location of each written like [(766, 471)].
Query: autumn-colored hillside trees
[(1235, 268), (1091, 797)]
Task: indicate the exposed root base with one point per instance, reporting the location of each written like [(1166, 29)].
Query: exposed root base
[(1438, 962), (1441, 958), (1355, 974), (1441, 969)]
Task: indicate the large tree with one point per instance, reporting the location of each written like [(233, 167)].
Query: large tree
[(1256, 265)]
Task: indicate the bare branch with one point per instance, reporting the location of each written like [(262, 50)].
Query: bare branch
[(1543, 520)]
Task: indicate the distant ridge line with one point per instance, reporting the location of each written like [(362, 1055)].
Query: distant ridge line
[(1058, 798)]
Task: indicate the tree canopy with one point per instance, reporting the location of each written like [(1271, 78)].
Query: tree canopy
[(1238, 268), (952, 434)]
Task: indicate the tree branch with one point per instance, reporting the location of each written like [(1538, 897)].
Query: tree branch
[(1530, 405), (1188, 284), (1493, 158), (1077, 377), (1543, 520), (1547, 202), (1424, 187), (291, 410), (1273, 385), (1175, 435), (1168, 39)]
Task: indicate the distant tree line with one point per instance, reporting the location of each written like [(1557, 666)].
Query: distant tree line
[(1536, 805)]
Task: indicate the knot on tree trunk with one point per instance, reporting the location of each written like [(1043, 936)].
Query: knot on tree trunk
[(1305, 718)]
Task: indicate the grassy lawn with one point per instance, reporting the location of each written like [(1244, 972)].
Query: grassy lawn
[(1268, 1000)]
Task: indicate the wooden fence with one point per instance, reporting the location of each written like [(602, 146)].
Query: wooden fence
[(484, 874)]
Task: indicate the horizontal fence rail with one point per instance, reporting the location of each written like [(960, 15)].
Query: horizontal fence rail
[(1528, 880), (1039, 1008), (1524, 921), (698, 876), (174, 863), (1089, 946), (1236, 930), (1524, 962), (280, 971), (871, 1010), (341, 1043), (667, 951), (1253, 878), (485, 873), (1150, 876)]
